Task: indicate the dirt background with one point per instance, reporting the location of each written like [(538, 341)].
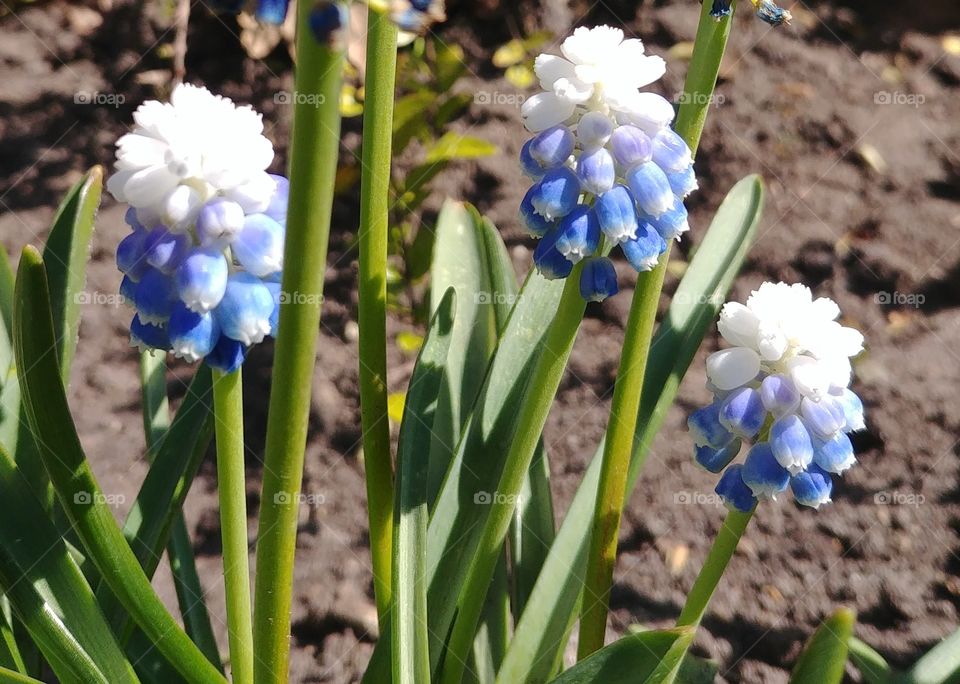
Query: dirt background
[(850, 115)]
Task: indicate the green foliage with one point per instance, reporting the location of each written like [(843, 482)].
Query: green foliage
[(639, 658), (825, 655), (427, 103)]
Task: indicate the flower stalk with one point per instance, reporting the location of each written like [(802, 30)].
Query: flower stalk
[(313, 162), (231, 486), (372, 314), (714, 566), (698, 91)]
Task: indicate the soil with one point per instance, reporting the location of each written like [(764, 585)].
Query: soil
[(850, 116)]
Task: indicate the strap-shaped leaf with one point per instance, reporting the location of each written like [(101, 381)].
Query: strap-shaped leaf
[(161, 496), (640, 658), (454, 528), (73, 480), (8, 676), (825, 655), (48, 592), (460, 261), (65, 257), (411, 661), (9, 649), (6, 289), (939, 665), (545, 625), (183, 567), (873, 667)]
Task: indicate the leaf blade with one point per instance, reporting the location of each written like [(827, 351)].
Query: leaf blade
[(411, 659), (47, 590), (73, 480), (825, 655), (639, 657), (65, 256)]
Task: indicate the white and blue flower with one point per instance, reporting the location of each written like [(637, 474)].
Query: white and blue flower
[(783, 383), (602, 146), (202, 263)]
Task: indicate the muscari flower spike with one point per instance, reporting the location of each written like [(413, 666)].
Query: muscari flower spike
[(203, 261), (606, 167), (766, 10), (783, 384)]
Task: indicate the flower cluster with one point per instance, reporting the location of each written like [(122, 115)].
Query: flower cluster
[(784, 383), (767, 10), (203, 261), (607, 168)]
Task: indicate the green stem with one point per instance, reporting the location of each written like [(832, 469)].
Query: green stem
[(183, 567), (231, 485), (616, 458), (720, 554), (542, 388), (313, 167), (698, 93), (372, 314)]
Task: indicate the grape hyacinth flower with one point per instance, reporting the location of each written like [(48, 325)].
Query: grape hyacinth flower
[(606, 167), (784, 383), (203, 260)]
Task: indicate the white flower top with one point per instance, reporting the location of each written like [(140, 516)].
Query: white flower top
[(182, 153), (783, 330), (599, 71)]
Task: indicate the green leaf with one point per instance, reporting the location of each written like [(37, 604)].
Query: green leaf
[(873, 667), (183, 567), (13, 677), (73, 480), (48, 592), (455, 519), (411, 657), (545, 625), (451, 108), (940, 665), (65, 257), (825, 655), (644, 657), (6, 290), (9, 650), (453, 145), (460, 261), (408, 118), (165, 487), (510, 53), (450, 65)]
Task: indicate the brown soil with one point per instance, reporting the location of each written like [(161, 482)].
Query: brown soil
[(850, 116)]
